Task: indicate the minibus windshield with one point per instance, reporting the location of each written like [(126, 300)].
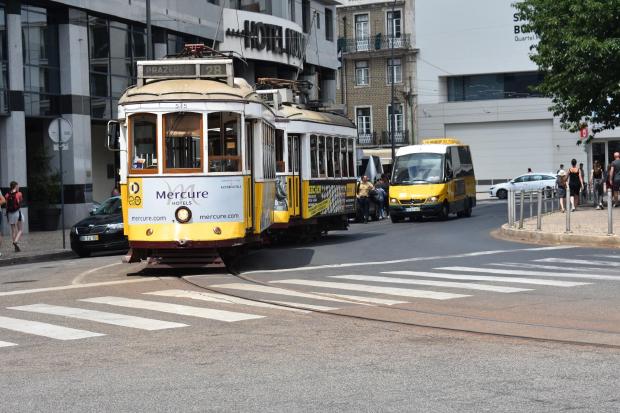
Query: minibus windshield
[(418, 168)]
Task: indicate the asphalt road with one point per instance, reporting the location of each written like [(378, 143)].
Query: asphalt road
[(352, 326)]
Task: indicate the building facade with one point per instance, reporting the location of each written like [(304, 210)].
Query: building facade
[(376, 40), (474, 83), (75, 58)]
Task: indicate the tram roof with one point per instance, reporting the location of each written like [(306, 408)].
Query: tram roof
[(191, 89), (294, 112)]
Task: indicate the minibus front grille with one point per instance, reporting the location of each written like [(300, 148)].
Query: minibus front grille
[(411, 201)]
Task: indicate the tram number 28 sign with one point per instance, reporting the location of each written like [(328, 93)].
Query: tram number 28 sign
[(210, 199)]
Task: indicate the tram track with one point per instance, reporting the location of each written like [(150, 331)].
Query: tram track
[(334, 313)]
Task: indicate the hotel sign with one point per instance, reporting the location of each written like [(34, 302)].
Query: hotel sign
[(270, 37)]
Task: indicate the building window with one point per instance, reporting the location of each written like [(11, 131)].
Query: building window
[(329, 25), (394, 71), (41, 62), (394, 24), (361, 73), (396, 117), (493, 86), (114, 48), (362, 32), (364, 125), (305, 15), (176, 42), (4, 85), (291, 7)]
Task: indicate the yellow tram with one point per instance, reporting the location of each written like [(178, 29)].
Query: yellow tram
[(207, 164)]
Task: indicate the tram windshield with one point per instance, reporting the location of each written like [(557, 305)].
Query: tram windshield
[(418, 168), (183, 136), (143, 130), (224, 142)]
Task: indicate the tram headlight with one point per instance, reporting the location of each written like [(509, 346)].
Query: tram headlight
[(183, 214)]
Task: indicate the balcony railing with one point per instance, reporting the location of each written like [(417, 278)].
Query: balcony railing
[(401, 138), (376, 42)]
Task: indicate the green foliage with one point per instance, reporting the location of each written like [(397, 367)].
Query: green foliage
[(579, 53), (43, 182)]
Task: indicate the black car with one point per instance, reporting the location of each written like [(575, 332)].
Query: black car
[(101, 231)]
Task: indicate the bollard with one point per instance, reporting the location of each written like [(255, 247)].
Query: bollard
[(531, 206), (521, 205), (513, 208), (567, 208), (508, 210), (511, 215), (610, 207), (539, 210)]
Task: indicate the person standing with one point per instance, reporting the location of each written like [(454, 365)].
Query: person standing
[(363, 192), (561, 168), (575, 184), (2, 204), (614, 176), (14, 216), (596, 183), (560, 182)]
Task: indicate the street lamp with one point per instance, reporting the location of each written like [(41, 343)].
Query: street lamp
[(149, 32)]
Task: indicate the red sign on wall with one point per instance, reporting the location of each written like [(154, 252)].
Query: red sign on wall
[(583, 133)]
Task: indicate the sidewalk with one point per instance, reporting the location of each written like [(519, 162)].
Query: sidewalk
[(36, 246), (588, 227)]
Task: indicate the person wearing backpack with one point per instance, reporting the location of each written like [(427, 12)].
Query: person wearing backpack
[(14, 214)]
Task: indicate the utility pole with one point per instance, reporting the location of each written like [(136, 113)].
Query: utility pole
[(149, 32), (392, 111)]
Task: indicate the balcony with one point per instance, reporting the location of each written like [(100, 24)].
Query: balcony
[(372, 43), (401, 138)]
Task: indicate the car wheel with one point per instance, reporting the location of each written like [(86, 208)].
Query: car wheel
[(502, 194)]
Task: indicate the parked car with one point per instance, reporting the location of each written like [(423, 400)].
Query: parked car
[(101, 231), (528, 182)]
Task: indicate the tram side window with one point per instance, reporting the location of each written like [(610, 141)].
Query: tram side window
[(343, 157), (249, 139), (337, 163), (224, 142), (144, 142), (293, 153), (330, 156), (350, 157), (280, 166), (183, 141), (269, 152), (322, 170), (314, 169)]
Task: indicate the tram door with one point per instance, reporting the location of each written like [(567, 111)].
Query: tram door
[(294, 179)]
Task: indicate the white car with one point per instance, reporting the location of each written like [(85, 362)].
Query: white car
[(528, 182)]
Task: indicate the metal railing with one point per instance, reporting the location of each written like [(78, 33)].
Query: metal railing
[(375, 42), (401, 137), (522, 205), (366, 138)]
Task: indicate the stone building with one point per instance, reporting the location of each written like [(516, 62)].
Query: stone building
[(376, 42)]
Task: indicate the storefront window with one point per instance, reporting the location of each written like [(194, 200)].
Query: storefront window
[(183, 141), (493, 86), (41, 62), (224, 142), (143, 143)]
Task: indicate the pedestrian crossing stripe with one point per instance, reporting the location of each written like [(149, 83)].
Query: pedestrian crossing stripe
[(569, 269), (6, 344), (448, 284), (371, 300), (100, 317), (220, 298), (44, 329), (515, 280), (522, 272), (581, 262), (404, 292), (185, 310), (276, 291)]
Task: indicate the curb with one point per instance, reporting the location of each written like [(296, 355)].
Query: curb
[(524, 235), (44, 256)]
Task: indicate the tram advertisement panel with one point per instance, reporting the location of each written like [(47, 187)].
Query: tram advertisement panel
[(330, 198), (209, 199)]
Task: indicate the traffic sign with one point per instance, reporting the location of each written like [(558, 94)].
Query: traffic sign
[(60, 130)]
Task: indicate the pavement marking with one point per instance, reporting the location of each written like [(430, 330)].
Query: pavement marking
[(308, 306), (278, 291), (581, 262), (559, 268), (78, 279), (615, 257), (100, 317), (524, 272), (73, 287), (44, 329), (404, 292), (370, 300), (186, 310), (515, 280), (363, 264), (6, 344), (448, 284), (219, 298)]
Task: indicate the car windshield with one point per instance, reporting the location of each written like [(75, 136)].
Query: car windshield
[(109, 206), (418, 168)]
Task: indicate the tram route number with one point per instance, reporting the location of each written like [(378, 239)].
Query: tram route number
[(134, 201)]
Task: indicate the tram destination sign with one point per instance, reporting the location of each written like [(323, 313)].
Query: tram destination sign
[(168, 70)]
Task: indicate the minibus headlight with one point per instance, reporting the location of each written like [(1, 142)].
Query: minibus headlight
[(393, 200), (432, 199), (183, 214)]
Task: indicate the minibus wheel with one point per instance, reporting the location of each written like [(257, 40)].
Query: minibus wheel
[(445, 212)]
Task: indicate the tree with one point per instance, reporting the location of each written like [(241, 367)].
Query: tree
[(578, 52)]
